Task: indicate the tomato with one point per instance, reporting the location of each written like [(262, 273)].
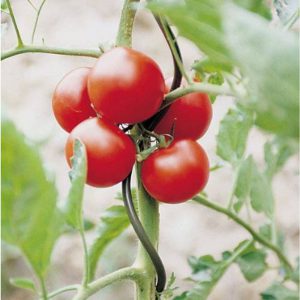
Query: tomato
[(71, 104), (110, 152), (126, 86), (177, 173), (190, 115)]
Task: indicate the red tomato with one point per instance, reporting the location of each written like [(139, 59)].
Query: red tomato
[(71, 104), (110, 152), (177, 173), (126, 86), (190, 115)]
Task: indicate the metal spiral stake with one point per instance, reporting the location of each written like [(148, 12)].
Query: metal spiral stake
[(150, 124), (142, 235)]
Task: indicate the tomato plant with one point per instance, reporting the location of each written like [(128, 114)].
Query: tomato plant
[(71, 103), (122, 119), (177, 173), (126, 86), (105, 144)]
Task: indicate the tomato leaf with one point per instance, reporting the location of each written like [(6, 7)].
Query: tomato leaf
[(242, 185), (233, 134), (277, 152), (232, 36), (261, 195), (206, 272), (272, 69), (30, 218), (23, 283), (73, 207), (113, 222), (278, 291), (252, 263)]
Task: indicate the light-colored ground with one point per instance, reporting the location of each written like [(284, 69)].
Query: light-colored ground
[(27, 85)]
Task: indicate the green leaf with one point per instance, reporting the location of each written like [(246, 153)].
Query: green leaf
[(266, 231), (261, 193), (206, 272), (252, 264), (113, 222), (215, 78), (4, 6), (272, 69), (242, 185), (295, 276), (279, 292), (277, 152), (231, 37), (73, 207), (256, 6), (23, 283), (168, 292), (183, 296), (30, 218), (233, 134)]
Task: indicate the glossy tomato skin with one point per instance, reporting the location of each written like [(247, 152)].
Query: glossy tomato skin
[(70, 103), (110, 152), (126, 86), (190, 114), (177, 173)]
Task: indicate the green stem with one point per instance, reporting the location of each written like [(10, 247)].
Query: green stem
[(149, 217), (204, 201), (36, 20), (175, 53), (129, 273), (63, 290), (196, 87), (43, 288), (86, 259), (124, 37), (11, 12), (51, 50), (292, 20)]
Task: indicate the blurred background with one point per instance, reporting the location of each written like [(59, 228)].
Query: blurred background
[(28, 82)]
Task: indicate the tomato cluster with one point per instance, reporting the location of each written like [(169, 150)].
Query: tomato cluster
[(127, 87)]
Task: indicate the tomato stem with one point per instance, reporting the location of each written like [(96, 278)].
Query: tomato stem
[(51, 50), (11, 12), (204, 201), (124, 37)]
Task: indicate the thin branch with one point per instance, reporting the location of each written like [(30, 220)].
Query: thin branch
[(32, 5), (129, 273), (86, 259), (63, 290), (11, 12), (196, 87), (36, 20), (202, 200), (51, 50)]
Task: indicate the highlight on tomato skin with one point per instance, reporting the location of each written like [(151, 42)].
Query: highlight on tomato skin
[(177, 173), (70, 102), (190, 116), (126, 86), (110, 152)]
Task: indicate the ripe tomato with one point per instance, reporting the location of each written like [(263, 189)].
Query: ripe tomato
[(126, 86), (110, 152), (71, 104), (190, 115), (177, 173)]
